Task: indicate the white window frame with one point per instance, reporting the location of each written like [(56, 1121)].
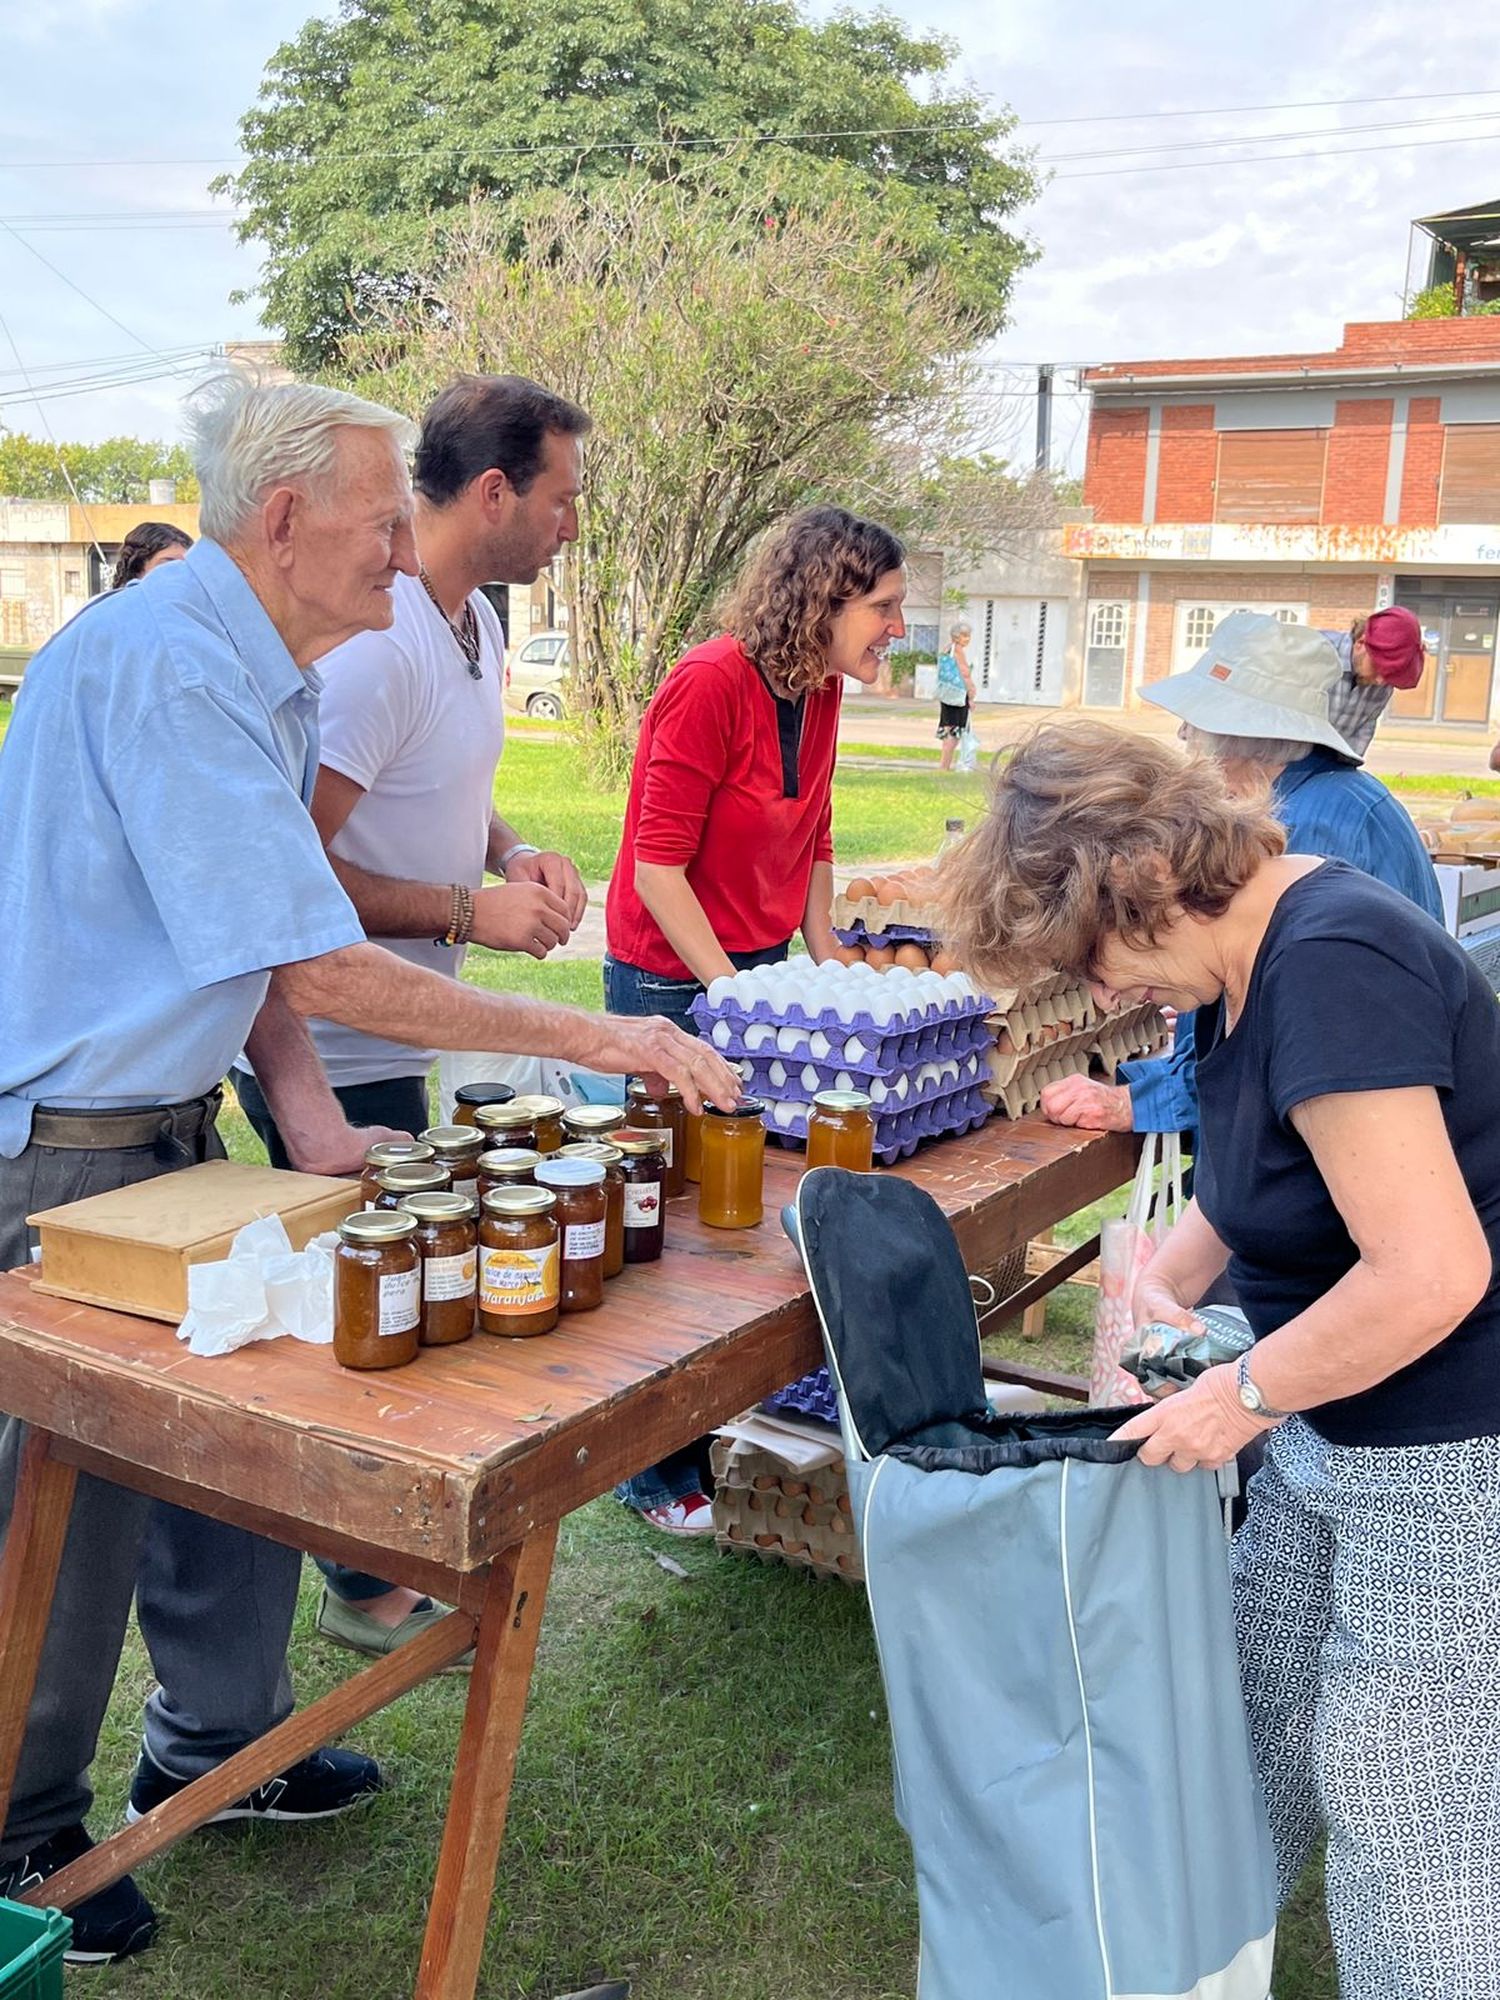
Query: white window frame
[(1185, 650), (1113, 609), (12, 581)]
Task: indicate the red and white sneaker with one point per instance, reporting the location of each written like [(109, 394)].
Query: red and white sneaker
[(692, 1515)]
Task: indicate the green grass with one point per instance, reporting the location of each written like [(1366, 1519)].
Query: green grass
[(1440, 785)]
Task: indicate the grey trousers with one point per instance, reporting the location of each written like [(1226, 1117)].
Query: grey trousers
[(214, 1603)]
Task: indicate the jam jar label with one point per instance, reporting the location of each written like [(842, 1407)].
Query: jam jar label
[(400, 1301), (642, 1204), (449, 1277), (518, 1281), (582, 1240)]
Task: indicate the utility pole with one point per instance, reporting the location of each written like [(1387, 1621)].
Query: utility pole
[(1044, 416)]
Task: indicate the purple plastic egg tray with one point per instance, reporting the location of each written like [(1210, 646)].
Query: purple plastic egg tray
[(897, 1134), (859, 1046), (778, 1079), (812, 1396), (861, 934)]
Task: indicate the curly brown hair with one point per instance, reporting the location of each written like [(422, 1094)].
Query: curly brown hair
[(802, 571), (1090, 832)]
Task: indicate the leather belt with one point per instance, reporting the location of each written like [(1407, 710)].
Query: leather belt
[(175, 1127)]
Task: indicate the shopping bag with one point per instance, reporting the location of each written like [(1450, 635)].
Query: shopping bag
[(1125, 1248), (968, 750)]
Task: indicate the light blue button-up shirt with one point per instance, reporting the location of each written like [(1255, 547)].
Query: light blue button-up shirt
[(1330, 808), (157, 859)]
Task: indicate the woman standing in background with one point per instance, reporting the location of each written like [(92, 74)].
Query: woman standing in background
[(955, 691)]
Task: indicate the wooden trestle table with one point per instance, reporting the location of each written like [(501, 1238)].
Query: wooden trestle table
[(450, 1475)]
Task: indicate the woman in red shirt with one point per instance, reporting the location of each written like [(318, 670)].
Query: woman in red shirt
[(727, 847)]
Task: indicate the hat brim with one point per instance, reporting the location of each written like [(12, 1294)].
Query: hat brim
[(1220, 711)]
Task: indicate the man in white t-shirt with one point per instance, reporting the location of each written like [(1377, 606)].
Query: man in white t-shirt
[(412, 730)]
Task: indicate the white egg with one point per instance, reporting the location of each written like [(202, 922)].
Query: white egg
[(811, 1080), (820, 1046), (901, 1088), (776, 1074), (721, 1036), (760, 1035), (854, 1050), (878, 1090), (791, 1041), (720, 990), (844, 1081), (928, 1073), (784, 1115)]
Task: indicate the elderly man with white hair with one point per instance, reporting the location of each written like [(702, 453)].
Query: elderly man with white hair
[(165, 902)]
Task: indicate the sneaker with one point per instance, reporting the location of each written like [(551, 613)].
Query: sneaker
[(322, 1785), (107, 1926), (346, 1625), (693, 1514)]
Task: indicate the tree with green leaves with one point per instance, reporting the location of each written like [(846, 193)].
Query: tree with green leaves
[(401, 111), (739, 356), (121, 468)]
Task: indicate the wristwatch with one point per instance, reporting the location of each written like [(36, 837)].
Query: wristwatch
[(1251, 1397)]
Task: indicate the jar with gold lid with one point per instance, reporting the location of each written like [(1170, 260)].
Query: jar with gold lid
[(731, 1191), (469, 1096), (610, 1158), (584, 1122), (841, 1131), (519, 1275), (457, 1148), (377, 1290), (511, 1124), (508, 1166), (410, 1177), (546, 1120), (447, 1247), (644, 1167), (581, 1207), (390, 1153), (663, 1111)]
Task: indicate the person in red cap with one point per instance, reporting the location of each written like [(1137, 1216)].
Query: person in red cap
[(1380, 654)]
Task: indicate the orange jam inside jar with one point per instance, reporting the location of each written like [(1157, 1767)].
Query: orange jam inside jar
[(519, 1266), (390, 1153), (546, 1121), (731, 1186), (469, 1096), (377, 1290), (588, 1124), (458, 1148), (508, 1166), (610, 1158), (664, 1112), (446, 1245), (692, 1145), (410, 1177), (841, 1131)]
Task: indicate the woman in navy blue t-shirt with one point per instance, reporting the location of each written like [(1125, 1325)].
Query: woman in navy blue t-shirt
[(1349, 1180)]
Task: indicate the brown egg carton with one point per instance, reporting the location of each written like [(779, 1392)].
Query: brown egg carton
[(1053, 1011), (877, 918), (1127, 1036), (1023, 1092), (763, 1508)]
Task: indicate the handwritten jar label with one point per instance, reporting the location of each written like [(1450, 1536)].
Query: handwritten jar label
[(400, 1302)]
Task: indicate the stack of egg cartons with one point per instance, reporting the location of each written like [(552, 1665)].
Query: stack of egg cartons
[(914, 1042), (1052, 1029)]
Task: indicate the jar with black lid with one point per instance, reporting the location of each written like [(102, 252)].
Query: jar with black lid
[(447, 1246), (469, 1096), (581, 1207), (377, 1290), (519, 1278), (390, 1153), (644, 1167), (410, 1177)]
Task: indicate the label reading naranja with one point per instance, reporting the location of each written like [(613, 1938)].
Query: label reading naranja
[(449, 1277), (642, 1204), (518, 1281), (582, 1240), (400, 1302)]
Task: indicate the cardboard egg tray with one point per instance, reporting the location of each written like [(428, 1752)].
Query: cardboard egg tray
[(897, 1134), (860, 1051), (870, 920), (762, 1508), (1073, 1052), (778, 1080), (1125, 1037), (1043, 1019)]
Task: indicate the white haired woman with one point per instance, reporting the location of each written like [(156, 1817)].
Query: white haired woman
[(955, 691)]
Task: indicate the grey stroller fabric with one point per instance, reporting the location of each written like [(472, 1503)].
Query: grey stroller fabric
[(1072, 1764)]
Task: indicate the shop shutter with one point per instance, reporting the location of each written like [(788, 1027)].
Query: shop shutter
[(1270, 476), (1471, 474)]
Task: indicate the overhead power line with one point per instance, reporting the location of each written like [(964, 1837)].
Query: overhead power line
[(1272, 159)]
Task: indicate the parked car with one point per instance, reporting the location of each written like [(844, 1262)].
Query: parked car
[(534, 676)]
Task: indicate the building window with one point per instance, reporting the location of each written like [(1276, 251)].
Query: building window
[(72, 582), (1197, 623), (1270, 476), (12, 583), (1104, 655), (1470, 489)]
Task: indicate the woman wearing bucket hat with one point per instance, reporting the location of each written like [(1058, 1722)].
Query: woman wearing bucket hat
[(1378, 654), (1349, 1177), (1257, 702)]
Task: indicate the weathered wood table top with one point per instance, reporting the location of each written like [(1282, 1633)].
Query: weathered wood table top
[(471, 1448)]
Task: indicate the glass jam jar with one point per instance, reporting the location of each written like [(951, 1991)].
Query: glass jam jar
[(731, 1186), (446, 1246), (841, 1131), (410, 1177), (508, 1166), (377, 1290), (644, 1167), (546, 1120), (509, 1124), (586, 1122), (469, 1096), (457, 1148), (519, 1279), (664, 1113), (390, 1153), (611, 1159), (692, 1144), (581, 1209)]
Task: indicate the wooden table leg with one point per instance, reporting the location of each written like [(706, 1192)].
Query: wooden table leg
[(498, 1687), (28, 1574)]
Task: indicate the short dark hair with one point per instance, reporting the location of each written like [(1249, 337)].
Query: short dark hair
[(481, 422), (145, 540)]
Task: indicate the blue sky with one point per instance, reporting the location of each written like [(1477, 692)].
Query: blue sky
[(1205, 257)]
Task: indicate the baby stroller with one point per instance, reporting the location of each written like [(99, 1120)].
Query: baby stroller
[(1072, 1766)]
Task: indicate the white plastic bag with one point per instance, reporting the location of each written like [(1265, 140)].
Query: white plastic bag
[(528, 1076), (968, 749), (1126, 1245)]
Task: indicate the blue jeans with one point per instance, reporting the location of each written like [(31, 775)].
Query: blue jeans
[(628, 989)]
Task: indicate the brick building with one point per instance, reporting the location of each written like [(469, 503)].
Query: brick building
[(1316, 486)]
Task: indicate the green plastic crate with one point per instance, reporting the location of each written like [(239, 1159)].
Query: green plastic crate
[(32, 1943)]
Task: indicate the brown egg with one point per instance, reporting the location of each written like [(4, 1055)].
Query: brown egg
[(848, 954), (889, 889), (944, 961), (912, 957), (860, 890), (881, 957)]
